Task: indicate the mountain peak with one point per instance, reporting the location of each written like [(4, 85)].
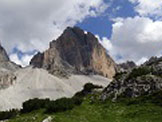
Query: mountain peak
[(5, 63), (3, 55), (75, 28), (77, 52)]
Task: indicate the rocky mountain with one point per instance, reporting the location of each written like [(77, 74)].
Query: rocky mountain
[(6, 69), (143, 80), (126, 66), (33, 83), (5, 63), (75, 52), (3, 55)]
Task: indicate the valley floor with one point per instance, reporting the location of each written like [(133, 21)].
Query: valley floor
[(95, 111)]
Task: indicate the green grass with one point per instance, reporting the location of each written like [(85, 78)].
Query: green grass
[(92, 110)]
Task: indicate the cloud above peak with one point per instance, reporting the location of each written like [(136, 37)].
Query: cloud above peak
[(135, 38), (151, 8), (25, 22), (31, 24)]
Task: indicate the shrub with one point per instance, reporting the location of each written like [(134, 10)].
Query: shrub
[(87, 89), (119, 75), (65, 104), (139, 72), (156, 98), (8, 114), (60, 105), (34, 104), (77, 100)]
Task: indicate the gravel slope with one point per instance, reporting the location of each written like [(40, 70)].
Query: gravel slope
[(38, 83)]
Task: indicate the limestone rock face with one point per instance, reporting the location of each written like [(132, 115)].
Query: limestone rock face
[(3, 55), (144, 85), (7, 79), (127, 66), (5, 63), (75, 52), (143, 80), (7, 68)]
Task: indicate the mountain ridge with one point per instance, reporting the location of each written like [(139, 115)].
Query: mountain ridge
[(78, 52), (142, 80), (56, 72), (7, 68)]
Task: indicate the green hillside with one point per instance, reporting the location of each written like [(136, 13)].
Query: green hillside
[(143, 109)]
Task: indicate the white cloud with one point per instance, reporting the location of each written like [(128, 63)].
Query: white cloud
[(141, 61), (32, 24), (26, 23), (148, 7), (135, 39), (23, 61), (105, 42), (140, 37), (15, 58)]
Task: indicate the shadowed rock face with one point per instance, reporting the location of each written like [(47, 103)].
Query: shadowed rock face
[(3, 55), (5, 64), (75, 52), (127, 66), (143, 80), (6, 69)]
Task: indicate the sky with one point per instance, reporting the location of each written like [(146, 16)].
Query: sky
[(128, 29)]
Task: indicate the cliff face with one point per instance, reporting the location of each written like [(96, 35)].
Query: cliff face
[(3, 55), (75, 52), (143, 80), (129, 65), (7, 68)]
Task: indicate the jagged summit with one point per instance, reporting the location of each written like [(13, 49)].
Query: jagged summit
[(5, 63), (3, 55), (65, 58), (142, 80), (127, 66), (6, 69), (75, 52)]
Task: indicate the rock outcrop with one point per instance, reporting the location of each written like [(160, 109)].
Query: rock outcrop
[(129, 65), (74, 55), (3, 55), (6, 79), (75, 52), (7, 68), (49, 119), (5, 63), (143, 80)]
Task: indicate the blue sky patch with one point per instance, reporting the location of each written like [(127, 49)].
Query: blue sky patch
[(102, 25)]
